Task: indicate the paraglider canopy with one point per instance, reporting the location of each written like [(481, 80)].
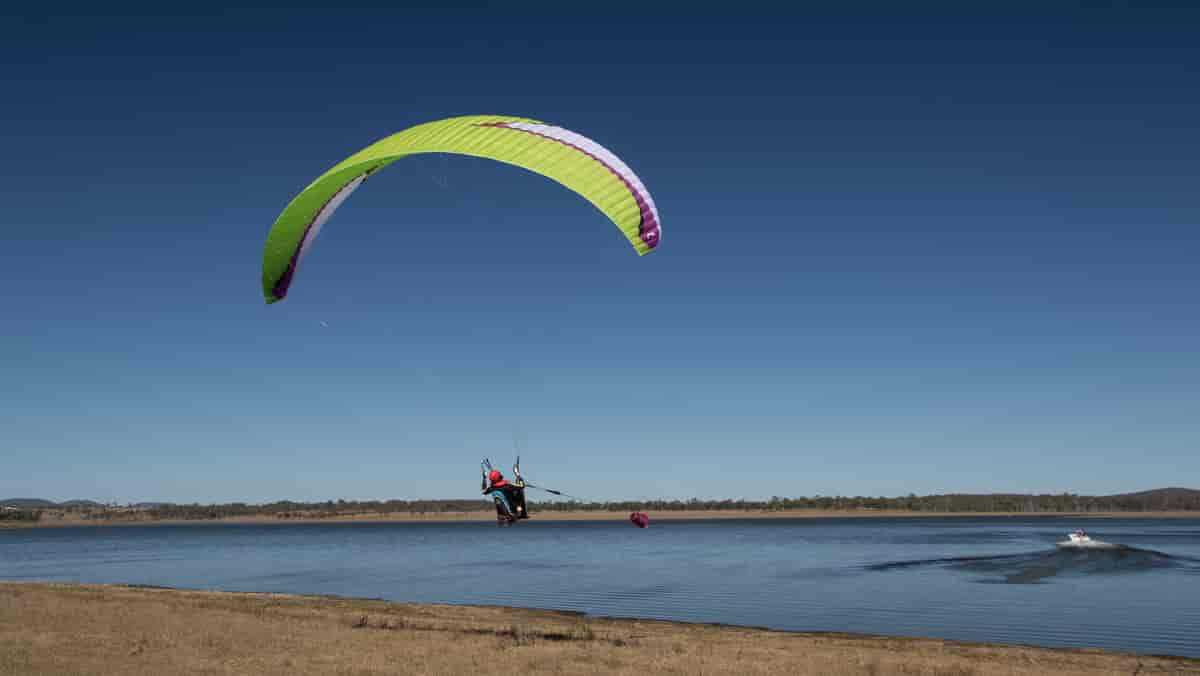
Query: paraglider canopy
[(571, 159)]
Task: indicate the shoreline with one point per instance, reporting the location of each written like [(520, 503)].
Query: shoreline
[(582, 515), (94, 629)]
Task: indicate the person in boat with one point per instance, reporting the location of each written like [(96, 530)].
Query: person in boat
[(509, 496)]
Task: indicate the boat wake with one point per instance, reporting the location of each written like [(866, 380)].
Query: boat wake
[(1039, 566)]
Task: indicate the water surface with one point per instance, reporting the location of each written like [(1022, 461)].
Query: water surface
[(979, 579)]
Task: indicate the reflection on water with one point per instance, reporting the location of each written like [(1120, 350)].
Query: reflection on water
[(917, 577)]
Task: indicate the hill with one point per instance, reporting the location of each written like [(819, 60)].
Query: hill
[(27, 503), (1169, 493)]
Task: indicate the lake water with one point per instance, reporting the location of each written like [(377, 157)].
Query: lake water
[(988, 579)]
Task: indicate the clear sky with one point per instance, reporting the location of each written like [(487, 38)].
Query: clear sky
[(939, 249)]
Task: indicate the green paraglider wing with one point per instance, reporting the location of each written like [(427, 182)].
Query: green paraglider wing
[(569, 158)]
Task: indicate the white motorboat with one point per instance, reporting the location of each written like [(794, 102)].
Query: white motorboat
[(1081, 540)]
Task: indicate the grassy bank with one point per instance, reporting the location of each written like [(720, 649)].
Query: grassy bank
[(86, 629)]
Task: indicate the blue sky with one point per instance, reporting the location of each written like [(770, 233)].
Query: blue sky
[(943, 249)]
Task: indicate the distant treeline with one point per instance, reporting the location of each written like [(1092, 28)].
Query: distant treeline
[(1009, 504), (287, 509), (9, 514), (1161, 500)]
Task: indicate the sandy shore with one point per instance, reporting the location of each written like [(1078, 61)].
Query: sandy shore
[(51, 520), (92, 629)]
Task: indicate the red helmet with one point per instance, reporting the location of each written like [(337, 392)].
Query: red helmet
[(495, 476)]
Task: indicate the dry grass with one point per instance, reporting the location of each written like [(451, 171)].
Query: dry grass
[(85, 629)]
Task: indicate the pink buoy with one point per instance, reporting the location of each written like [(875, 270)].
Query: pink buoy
[(639, 519)]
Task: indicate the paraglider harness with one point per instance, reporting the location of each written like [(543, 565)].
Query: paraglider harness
[(509, 496)]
